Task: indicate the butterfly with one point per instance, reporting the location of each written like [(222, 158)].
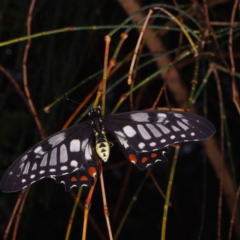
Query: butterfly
[(70, 156)]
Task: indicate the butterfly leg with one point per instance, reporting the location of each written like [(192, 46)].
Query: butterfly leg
[(87, 208)]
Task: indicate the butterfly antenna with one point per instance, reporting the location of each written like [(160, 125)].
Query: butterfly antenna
[(68, 99)]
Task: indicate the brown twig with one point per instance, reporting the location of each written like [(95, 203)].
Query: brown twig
[(30, 105), (224, 24), (24, 196), (15, 84), (105, 207), (20, 196), (91, 219), (235, 96), (157, 185), (122, 191), (234, 214), (137, 46), (25, 81), (222, 151)]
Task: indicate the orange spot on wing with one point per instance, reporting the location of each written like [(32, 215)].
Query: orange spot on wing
[(144, 159), (153, 155), (132, 157), (92, 171), (83, 178), (73, 179)]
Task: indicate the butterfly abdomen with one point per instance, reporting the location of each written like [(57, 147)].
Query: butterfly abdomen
[(102, 145)]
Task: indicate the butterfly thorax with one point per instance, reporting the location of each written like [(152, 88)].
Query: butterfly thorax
[(101, 144)]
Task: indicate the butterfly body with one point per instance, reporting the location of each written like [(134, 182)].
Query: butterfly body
[(69, 156), (102, 146)]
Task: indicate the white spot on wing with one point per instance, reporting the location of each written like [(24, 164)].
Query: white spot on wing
[(178, 115), (84, 143), (154, 130), (32, 176), (75, 145), (183, 135), (20, 169), (161, 117), (186, 121), (192, 134), (144, 133), (123, 141), (88, 152), (129, 131), (52, 170), (44, 160), (26, 168), (63, 168), (163, 140), (53, 158), (56, 139), (23, 158), (139, 117), (74, 163), (39, 150), (152, 144), (42, 172), (141, 145), (163, 128), (183, 126), (121, 134), (175, 129), (23, 180), (172, 137), (63, 154), (34, 166)]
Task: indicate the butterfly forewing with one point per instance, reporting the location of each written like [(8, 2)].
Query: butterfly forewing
[(59, 154), (145, 131)]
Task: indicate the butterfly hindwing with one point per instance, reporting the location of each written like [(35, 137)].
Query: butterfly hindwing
[(144, 159), (59, 154), (84, 176)]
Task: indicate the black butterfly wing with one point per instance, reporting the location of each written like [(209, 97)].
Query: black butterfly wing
[(149, 131), (60, 154), (68, 156)]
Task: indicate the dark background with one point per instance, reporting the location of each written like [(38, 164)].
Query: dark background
[(57, 63)]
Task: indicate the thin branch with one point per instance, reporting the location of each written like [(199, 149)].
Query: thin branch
[(15, 84), (24, 66)]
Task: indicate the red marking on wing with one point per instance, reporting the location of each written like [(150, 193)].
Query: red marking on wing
[(92, 171), (83, 178), (132, 157), (73, 179), (153, 155), (144, 159)]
